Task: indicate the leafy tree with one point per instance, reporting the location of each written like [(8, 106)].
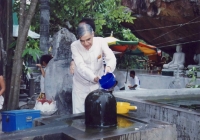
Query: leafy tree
[(32, 50), (108, 14)]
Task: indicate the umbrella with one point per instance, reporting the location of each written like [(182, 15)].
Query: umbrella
[(131, 47)]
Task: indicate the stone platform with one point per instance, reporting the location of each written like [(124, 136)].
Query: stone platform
[(72, 127), (147, 102)]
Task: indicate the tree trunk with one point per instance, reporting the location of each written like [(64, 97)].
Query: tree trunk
[(24, 24)]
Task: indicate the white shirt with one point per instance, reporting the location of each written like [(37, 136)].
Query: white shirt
[(89, 63), (135, 81)]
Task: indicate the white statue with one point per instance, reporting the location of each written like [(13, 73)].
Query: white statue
[(197, 60), (178, 60)]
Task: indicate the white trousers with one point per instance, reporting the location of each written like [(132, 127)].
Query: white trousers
[(79, 93)]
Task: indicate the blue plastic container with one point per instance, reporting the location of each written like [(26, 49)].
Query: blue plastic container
[(107, 81), (18, 119)]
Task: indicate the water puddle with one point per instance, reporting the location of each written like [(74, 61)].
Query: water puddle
[(188, 103), (122, 123)]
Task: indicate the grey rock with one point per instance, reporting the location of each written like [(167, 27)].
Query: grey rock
[(58, 80)]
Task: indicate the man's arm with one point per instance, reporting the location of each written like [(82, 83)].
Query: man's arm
[(110, 58), (132, 87), (2, 85), (41, 69), (72, 66), (81, 66)]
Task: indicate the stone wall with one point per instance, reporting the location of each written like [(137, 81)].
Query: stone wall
[(187, 122), (161, 82), (156, 81)]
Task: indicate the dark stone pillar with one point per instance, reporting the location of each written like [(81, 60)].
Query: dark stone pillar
[(44, 25), (6, 27)]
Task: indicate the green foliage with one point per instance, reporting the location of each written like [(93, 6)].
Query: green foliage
[(128, 35), (107, 14), (32, 49), (193, 75), (130, 62)]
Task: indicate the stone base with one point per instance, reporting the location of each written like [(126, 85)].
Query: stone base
[(71, 127), (167, 72)]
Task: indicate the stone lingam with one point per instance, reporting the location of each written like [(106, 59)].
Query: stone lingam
[(100, 109)]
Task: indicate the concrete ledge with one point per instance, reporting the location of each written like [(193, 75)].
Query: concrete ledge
[(149, 129), (187, 122), (158, 93)]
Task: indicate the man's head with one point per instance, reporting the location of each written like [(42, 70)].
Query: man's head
[(88, 21), (132, 74), (85, 34), (44, 60)]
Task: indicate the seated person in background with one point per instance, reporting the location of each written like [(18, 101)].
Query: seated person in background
[(44, 60), (177, 61), (135, 82), (196, 60), (120, 79)]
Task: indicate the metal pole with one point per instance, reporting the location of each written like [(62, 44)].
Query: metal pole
[(44, 25)]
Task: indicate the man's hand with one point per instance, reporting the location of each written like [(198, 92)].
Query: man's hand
[(107, 70), (96, 79), (72, 66), (39, 65)]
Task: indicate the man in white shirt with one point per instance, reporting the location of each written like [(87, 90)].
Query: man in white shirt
[(135, 82), (87, 53)]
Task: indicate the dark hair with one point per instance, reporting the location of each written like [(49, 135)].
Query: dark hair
[(45, 58), (132, 72), (88, 21)]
